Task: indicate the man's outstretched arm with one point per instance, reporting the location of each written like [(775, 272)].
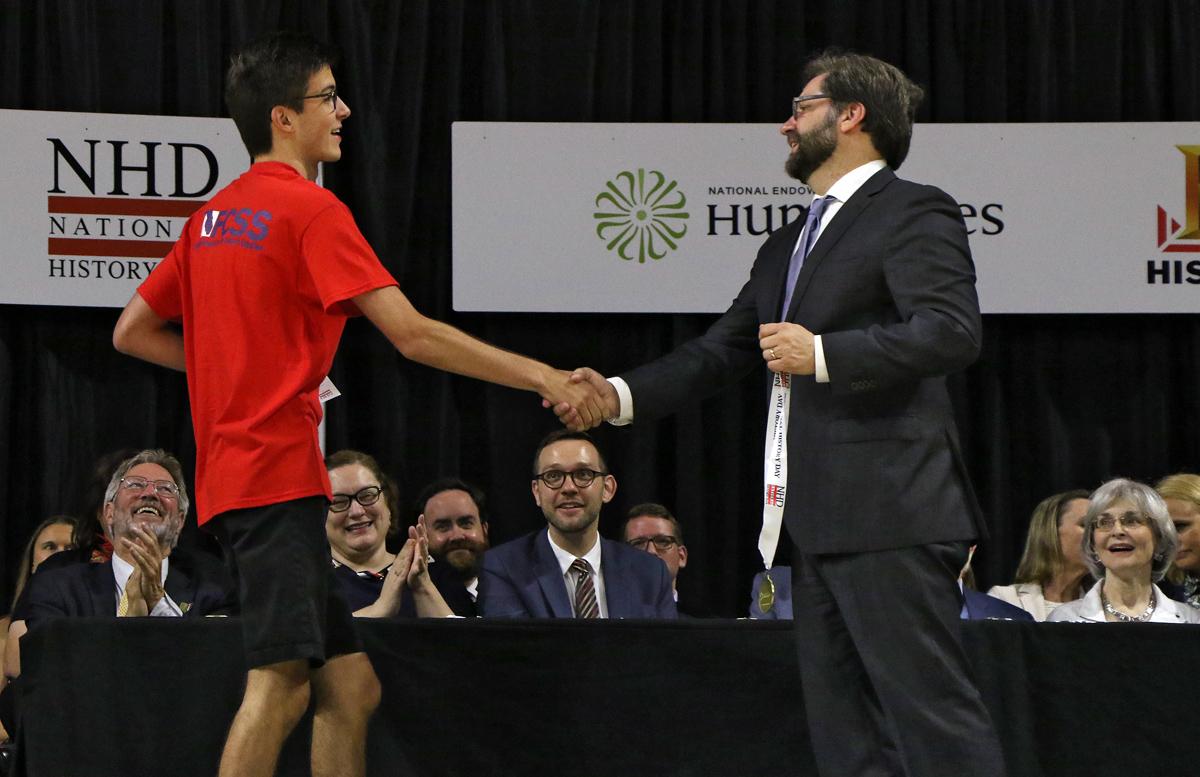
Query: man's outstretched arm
[(140, 332), (439, 345)]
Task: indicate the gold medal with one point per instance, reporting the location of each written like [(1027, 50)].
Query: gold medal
[(766, 593)]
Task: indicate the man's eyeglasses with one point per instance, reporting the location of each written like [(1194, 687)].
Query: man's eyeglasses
[(164, 488), (799, 103), (662, 542), (365, 497), (329, 95), (1128, 521), (582, 478)]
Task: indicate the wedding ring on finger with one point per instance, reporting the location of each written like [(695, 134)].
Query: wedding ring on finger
[(772, 352)]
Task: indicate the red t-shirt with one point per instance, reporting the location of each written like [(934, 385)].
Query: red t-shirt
[(262, 279)]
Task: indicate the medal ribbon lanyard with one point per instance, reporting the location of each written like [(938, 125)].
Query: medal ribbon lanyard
[(775, 468)]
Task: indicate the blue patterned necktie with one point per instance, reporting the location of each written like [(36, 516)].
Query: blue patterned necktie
[(812, 225), (586, 605)]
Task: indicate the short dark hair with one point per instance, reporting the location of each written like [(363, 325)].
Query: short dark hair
[(558, 435), (391, 492), (450, 484), (654, 510), (891, 99), (271, 70), (89, 530)]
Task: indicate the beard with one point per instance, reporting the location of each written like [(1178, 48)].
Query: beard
[(813, 148), (464, 558), (166, 530)]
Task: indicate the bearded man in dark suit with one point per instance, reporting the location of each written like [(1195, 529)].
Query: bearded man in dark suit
[(866, 306), (145, 505)]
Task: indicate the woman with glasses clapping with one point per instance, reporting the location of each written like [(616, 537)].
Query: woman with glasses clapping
[(361, 517)]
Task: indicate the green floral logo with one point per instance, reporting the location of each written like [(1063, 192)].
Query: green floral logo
[(641, 214)]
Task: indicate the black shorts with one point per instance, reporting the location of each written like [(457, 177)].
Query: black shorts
[(291, 606)]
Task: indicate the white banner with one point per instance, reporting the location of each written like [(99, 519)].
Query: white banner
[(1063, 218), (93, 201)]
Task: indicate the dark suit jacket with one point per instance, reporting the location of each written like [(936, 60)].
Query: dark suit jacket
[(981, 607), (450, 586), (88, 590), (522, 579), (873, 456)]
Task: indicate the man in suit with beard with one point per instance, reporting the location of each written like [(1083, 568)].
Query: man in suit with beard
[(144, 509), (859, 313), (455, 517)]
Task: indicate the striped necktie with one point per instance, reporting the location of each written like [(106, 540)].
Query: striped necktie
[(586, 605)]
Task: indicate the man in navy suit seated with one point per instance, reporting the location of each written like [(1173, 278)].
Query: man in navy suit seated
[(567, 570), (145, 506), (977, 606), (981, 607)]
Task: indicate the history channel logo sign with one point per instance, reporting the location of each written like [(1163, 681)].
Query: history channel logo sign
[(1176, 237), (640, 214)]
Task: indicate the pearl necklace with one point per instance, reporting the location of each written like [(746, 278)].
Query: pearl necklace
[(1122, 617)]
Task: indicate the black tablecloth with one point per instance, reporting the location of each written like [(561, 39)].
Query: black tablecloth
[(143, 697)]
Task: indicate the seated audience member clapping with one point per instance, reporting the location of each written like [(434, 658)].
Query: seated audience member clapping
[(1052, 569), (360, 518), (145, 505), (1128, 543), (454, 514), (1182, 494)]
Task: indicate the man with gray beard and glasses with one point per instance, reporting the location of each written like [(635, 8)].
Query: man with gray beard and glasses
[(144, 509)]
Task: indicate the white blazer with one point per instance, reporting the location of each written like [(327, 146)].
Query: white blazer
[(1027, 596), (1090, 609)]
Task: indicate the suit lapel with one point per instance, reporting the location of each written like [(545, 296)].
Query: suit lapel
[(179, 588), (103, 588), (617, 593), (834, 231), (549, 578)]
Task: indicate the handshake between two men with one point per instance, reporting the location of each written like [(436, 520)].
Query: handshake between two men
[(786, 348)]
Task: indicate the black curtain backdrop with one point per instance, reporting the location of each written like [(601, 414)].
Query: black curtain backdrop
[(1054, 402)]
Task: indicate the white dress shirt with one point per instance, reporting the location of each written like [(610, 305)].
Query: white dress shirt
[(592, 557), (841, 191), (122, 569)]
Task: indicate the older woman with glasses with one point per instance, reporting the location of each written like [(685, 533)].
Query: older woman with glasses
[(361, 517), (1129, 543)]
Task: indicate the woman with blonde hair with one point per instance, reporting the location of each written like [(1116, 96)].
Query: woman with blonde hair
[(1052, 569), (1181, 492)]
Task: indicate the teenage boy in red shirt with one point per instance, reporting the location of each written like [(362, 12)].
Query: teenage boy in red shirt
[(263, 279)]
